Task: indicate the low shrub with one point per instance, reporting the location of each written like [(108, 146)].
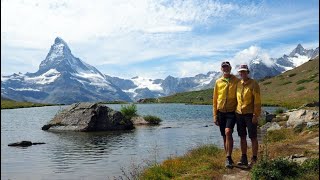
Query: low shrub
[(152, 119), (301, 81), (279, 168), (279, 111), (262, 122), (129, 111), (300, 88), (279, 135)]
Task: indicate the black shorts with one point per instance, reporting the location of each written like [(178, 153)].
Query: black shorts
[(244, 122), (226, 120)]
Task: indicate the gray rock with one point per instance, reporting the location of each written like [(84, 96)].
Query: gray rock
[(88, 117), (22, 144), (270, 117), (298, 127), (270, 126), (25, 143), (312, 124), (300, 160), (302, 116)]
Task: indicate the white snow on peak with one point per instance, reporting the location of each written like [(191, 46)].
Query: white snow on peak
[(131, 91), (284, 67), (256, 61), (298, 59), (24, 89), (95, 79), (3, 79), (146, 83), (57, 51), (46, 78)]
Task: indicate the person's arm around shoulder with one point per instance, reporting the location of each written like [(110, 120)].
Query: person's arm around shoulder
[(215, 104), (257, 102)]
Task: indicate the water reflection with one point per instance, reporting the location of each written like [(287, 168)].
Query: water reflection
[(83, 155)]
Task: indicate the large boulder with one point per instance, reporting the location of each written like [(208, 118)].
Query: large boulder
[(89, 117), (302, 116)]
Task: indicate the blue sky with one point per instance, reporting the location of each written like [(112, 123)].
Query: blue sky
[(154, 38)]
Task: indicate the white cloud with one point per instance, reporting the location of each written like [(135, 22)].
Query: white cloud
[(191, 68), (253, 52), (124, 32)]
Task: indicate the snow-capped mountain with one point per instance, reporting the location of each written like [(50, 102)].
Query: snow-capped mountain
[(139, 87), (61, 78), (297, 57), (260, 69)]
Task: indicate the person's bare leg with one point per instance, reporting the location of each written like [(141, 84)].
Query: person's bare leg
[(243, 144), (224, 143), (254, 142), (229, 141)]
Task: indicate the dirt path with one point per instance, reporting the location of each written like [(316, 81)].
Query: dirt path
[(237, 174)]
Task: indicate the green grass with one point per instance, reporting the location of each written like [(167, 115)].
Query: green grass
[(10, 104), (203, 97), (203, 162), (300, 88), (279, 111), (129, 111), (279, 135), (152, 119), (301, 81), (281, 168), (282, 93), (277, 169), (113, 102)]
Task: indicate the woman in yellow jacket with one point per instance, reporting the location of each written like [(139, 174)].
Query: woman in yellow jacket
[(224, 106), (247, 113)]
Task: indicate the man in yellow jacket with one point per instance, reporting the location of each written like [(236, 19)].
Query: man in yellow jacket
[(247, 113), (224, 106)]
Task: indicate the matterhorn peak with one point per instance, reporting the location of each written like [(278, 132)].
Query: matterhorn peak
[(59, 40)]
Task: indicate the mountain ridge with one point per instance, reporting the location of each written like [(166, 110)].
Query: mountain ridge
[(64, 78)]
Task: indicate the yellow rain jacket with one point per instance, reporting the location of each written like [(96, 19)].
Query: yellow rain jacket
[(224, 95), (248, 97)]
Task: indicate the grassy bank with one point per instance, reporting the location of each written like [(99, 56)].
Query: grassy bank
[(293, 88), (207, 161), (10, 104), (202, 97)]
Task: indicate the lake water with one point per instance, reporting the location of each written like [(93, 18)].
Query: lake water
[(100, 155)]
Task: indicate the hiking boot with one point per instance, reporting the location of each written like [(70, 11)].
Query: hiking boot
[(229, 163), (243, 161), (253, 162)]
